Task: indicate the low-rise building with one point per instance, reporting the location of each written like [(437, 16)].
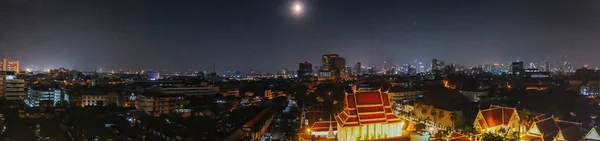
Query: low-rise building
[(322, 129), (258, 126), (475, 95), (199, 90), (43, 96), (234, 92), (443, 118), (155, 104), (441, 108), (402, 94), (11, 88), (94, 99), (590, 89)]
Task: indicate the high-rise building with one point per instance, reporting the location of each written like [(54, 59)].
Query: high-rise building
[(11, 88), (304, 69), (328, 62), (421, 68), (437, 64), (334, 66), (358, 68), (10, 65), (518, 68)]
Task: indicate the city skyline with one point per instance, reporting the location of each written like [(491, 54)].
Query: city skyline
[(268, 36)]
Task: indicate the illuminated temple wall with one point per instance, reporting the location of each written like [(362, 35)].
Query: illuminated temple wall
[(369, 131)]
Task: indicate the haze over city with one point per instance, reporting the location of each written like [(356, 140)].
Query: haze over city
[(268, 35)]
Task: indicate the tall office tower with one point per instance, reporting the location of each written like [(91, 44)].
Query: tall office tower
[(305, 69), (437, 64), (10, 65), (517, 68), (328, 62), (334, 66), (358, 68), (340, 67), (548, 68)]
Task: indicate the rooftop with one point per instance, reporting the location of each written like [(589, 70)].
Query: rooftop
[(366, 107), (258, 121)]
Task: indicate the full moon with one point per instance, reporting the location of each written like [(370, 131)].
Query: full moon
[(297, 8)]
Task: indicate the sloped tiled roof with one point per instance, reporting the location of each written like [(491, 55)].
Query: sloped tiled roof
[(323, 126), (570, 131), (366, 107), (548, 128), (496, 115), (457, 137)]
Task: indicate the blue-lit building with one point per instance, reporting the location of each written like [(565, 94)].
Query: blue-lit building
[(44, 96), (590, 90)]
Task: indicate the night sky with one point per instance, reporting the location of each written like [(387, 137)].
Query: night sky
[(266, 35)]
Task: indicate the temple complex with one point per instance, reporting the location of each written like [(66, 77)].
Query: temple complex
[(367, 115)]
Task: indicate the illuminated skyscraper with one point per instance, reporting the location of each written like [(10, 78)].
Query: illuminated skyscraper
[(333, 66), (328, 62)]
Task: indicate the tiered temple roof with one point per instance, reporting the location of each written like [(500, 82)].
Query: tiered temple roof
[(366, 106)]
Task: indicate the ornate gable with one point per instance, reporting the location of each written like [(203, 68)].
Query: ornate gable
[(559, 137), (480, 121), (592, 135), (534, 130)]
